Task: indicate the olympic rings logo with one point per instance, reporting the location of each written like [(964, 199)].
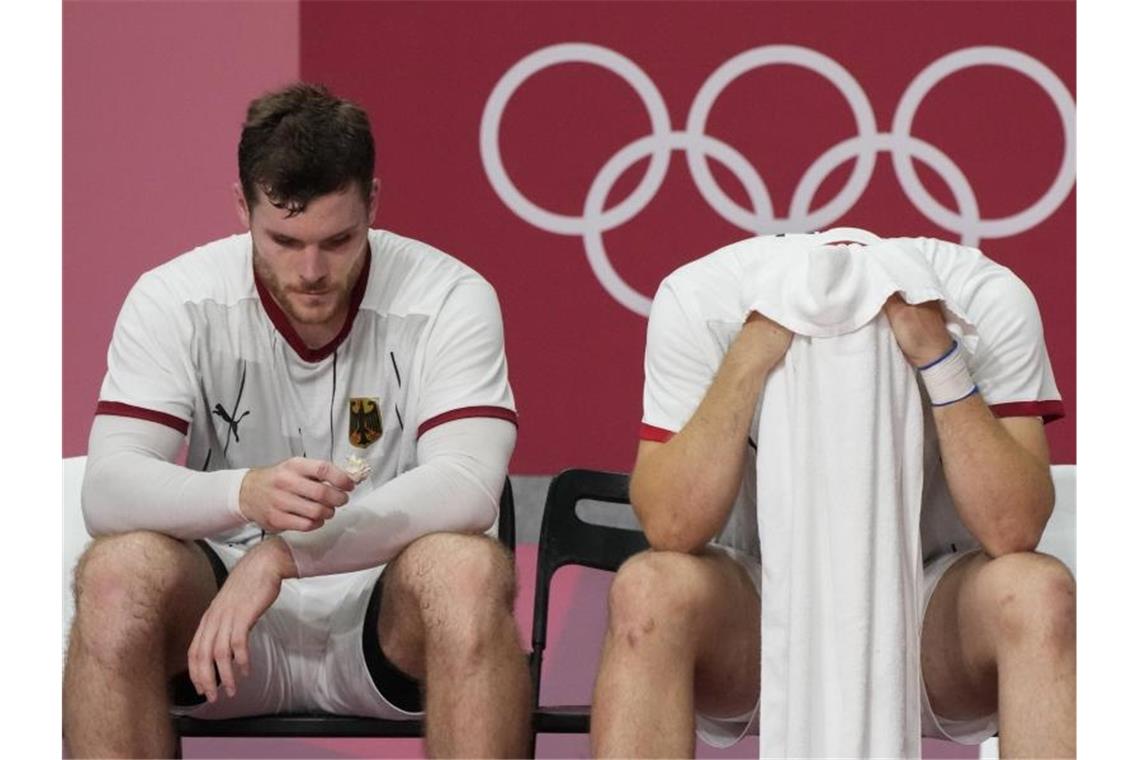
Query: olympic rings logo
[(904, 148)]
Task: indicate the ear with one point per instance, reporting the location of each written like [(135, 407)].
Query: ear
[(373, 201), (242, 207)]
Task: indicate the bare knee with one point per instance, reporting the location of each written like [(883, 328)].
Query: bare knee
[(465, 586), (123, 585), (655, 593), (1035, 601)]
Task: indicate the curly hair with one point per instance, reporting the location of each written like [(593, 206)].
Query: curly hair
[(301, 142)]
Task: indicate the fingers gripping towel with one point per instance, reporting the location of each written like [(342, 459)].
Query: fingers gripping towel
[(839, 492)]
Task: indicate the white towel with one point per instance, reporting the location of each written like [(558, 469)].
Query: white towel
[(839, 493)]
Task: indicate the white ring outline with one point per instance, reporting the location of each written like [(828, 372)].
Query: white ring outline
[(864, 147), (600, 263), (1041, 75), (806, 58), (911, 146), (572, 52)]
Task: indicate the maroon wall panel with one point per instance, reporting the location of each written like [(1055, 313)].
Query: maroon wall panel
[(991, 130)]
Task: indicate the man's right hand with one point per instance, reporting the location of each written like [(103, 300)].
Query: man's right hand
[(297, 494)]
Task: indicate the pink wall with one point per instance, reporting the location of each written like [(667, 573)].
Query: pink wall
[(153, 99)]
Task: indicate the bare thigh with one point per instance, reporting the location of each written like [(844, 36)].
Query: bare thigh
[(986, 608), (727, 679), (148, 579), (436, 582), (958, 662)]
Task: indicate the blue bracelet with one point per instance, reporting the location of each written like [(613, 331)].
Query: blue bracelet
[(953, 345)]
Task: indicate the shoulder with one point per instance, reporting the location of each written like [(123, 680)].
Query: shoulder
[(706, 288), (408, 276), (163, 298), (217, 271), (985, 289)]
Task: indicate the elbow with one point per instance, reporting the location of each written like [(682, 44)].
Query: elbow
[(1019, 528), (95, 528), (1016, 536), (92, 504), (666, 532), (481, 502), (670, 522), (674, 541), (484, 515), (1011, 543), (472, 488)]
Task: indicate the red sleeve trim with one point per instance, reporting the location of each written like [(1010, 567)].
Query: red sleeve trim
[(1047, 410), (495, 412), (650, 433), (126, 410)]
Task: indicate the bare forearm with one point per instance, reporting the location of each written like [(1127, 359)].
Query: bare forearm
[(684, 489), (1003, 493)]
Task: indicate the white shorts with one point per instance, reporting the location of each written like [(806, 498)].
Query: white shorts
[(973, 731), (307, 652), (725, 731)]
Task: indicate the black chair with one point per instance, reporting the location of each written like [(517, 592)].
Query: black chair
[(568, 540), (295, 725)]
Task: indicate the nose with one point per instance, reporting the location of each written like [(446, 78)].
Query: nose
[(312, 265)]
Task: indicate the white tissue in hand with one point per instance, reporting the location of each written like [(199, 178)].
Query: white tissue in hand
[(357, 468)]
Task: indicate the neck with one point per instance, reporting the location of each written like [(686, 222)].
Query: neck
[(315, 336)]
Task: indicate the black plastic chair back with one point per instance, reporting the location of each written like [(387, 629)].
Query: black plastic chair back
[(506, 530), (566, 539)]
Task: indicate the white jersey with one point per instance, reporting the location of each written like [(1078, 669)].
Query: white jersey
[(200, 346), (696, 314)]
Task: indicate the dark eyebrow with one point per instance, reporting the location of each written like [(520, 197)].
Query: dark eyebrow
[(281, 237), (343, 233)]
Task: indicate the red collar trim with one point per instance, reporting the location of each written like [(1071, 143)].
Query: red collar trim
[(279, 319)]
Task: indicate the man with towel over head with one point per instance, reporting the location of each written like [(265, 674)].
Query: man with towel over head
[(870, 412)]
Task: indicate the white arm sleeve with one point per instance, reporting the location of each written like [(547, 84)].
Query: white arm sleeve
[(455, 488), (131, 483)]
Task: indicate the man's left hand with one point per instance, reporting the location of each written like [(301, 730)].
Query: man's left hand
[(223, 633), (919, 329)]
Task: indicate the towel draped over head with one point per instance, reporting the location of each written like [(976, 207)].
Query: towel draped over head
[(839, 474)]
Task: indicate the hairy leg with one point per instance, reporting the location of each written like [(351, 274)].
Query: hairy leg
[(683, 635), (1002, 633), (447, 619), (138, 599)]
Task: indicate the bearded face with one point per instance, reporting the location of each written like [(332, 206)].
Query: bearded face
[(310, 261)]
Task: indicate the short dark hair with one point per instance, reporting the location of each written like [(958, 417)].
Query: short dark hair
[(300, 142)]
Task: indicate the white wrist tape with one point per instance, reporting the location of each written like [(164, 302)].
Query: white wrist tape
[(947, 379)]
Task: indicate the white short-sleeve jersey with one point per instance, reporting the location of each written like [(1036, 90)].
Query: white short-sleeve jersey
[(696, 314), (200, 346)]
